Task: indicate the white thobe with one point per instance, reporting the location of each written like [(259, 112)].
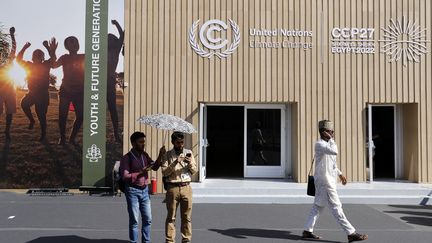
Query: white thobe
[(326, 174)]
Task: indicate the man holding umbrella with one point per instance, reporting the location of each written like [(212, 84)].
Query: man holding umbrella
[(178, 166)]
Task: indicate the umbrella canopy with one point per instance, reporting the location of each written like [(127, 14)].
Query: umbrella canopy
[(167, 122)]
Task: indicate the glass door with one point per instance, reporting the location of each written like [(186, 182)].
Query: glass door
[(264, 141)]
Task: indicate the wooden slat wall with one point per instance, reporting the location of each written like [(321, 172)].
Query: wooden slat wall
[(166, 76)]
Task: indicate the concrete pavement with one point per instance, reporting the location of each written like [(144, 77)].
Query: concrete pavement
[(91, 219)]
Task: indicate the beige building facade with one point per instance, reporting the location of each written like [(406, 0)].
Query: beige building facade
[(255, 76)]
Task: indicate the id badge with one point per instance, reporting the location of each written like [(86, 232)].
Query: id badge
[(185, 176)]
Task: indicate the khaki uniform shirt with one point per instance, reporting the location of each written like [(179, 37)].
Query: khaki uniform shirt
[(178, 171)]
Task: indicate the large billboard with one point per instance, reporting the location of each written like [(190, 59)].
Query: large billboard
[(61, 92)]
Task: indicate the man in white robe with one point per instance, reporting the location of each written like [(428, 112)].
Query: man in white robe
[(326, 174)]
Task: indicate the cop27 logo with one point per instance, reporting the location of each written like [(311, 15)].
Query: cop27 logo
[(404, 40), (208, 40)]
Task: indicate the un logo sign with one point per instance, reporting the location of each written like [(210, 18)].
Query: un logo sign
[(214, 45)]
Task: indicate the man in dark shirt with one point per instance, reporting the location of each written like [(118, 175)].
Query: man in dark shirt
[(134, 168)]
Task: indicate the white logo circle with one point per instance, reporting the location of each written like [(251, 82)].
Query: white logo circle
[(206, 36), (404, 40), (206, 32)]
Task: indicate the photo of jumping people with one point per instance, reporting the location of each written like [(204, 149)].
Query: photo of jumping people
[(42, 81)]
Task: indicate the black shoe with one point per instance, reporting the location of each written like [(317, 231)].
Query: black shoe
[(357, 237), (310, 235)]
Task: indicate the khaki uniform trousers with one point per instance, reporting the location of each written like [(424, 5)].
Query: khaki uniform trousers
[(176, 195)]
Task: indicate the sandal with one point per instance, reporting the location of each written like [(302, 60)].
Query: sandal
[(357, 237), (310, 235)]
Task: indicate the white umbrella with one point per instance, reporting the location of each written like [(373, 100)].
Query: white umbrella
[(168, 122)]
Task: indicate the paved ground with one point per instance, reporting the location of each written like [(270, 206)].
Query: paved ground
[(94, 219)]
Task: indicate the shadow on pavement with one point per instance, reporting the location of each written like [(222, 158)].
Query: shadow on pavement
[(429, 207), (73, 239), (418, 220), (414, 217), (416, 213), (242, 233)]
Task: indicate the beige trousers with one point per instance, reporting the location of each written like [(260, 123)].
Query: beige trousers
[(176, 195)]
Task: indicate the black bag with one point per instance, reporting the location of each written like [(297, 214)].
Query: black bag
[(165, 182), (311, 182), (120, 182), (311, 185)]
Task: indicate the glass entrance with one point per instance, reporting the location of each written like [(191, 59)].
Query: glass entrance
[(383, 159), (224, 152), (264, 142)]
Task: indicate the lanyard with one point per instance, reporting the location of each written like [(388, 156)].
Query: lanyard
[(141, 156)]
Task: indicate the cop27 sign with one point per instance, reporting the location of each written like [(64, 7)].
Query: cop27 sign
[(401, 40), (214, 45), (354, 40)]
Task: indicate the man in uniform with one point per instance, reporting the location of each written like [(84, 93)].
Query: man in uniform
[(179, 166)]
